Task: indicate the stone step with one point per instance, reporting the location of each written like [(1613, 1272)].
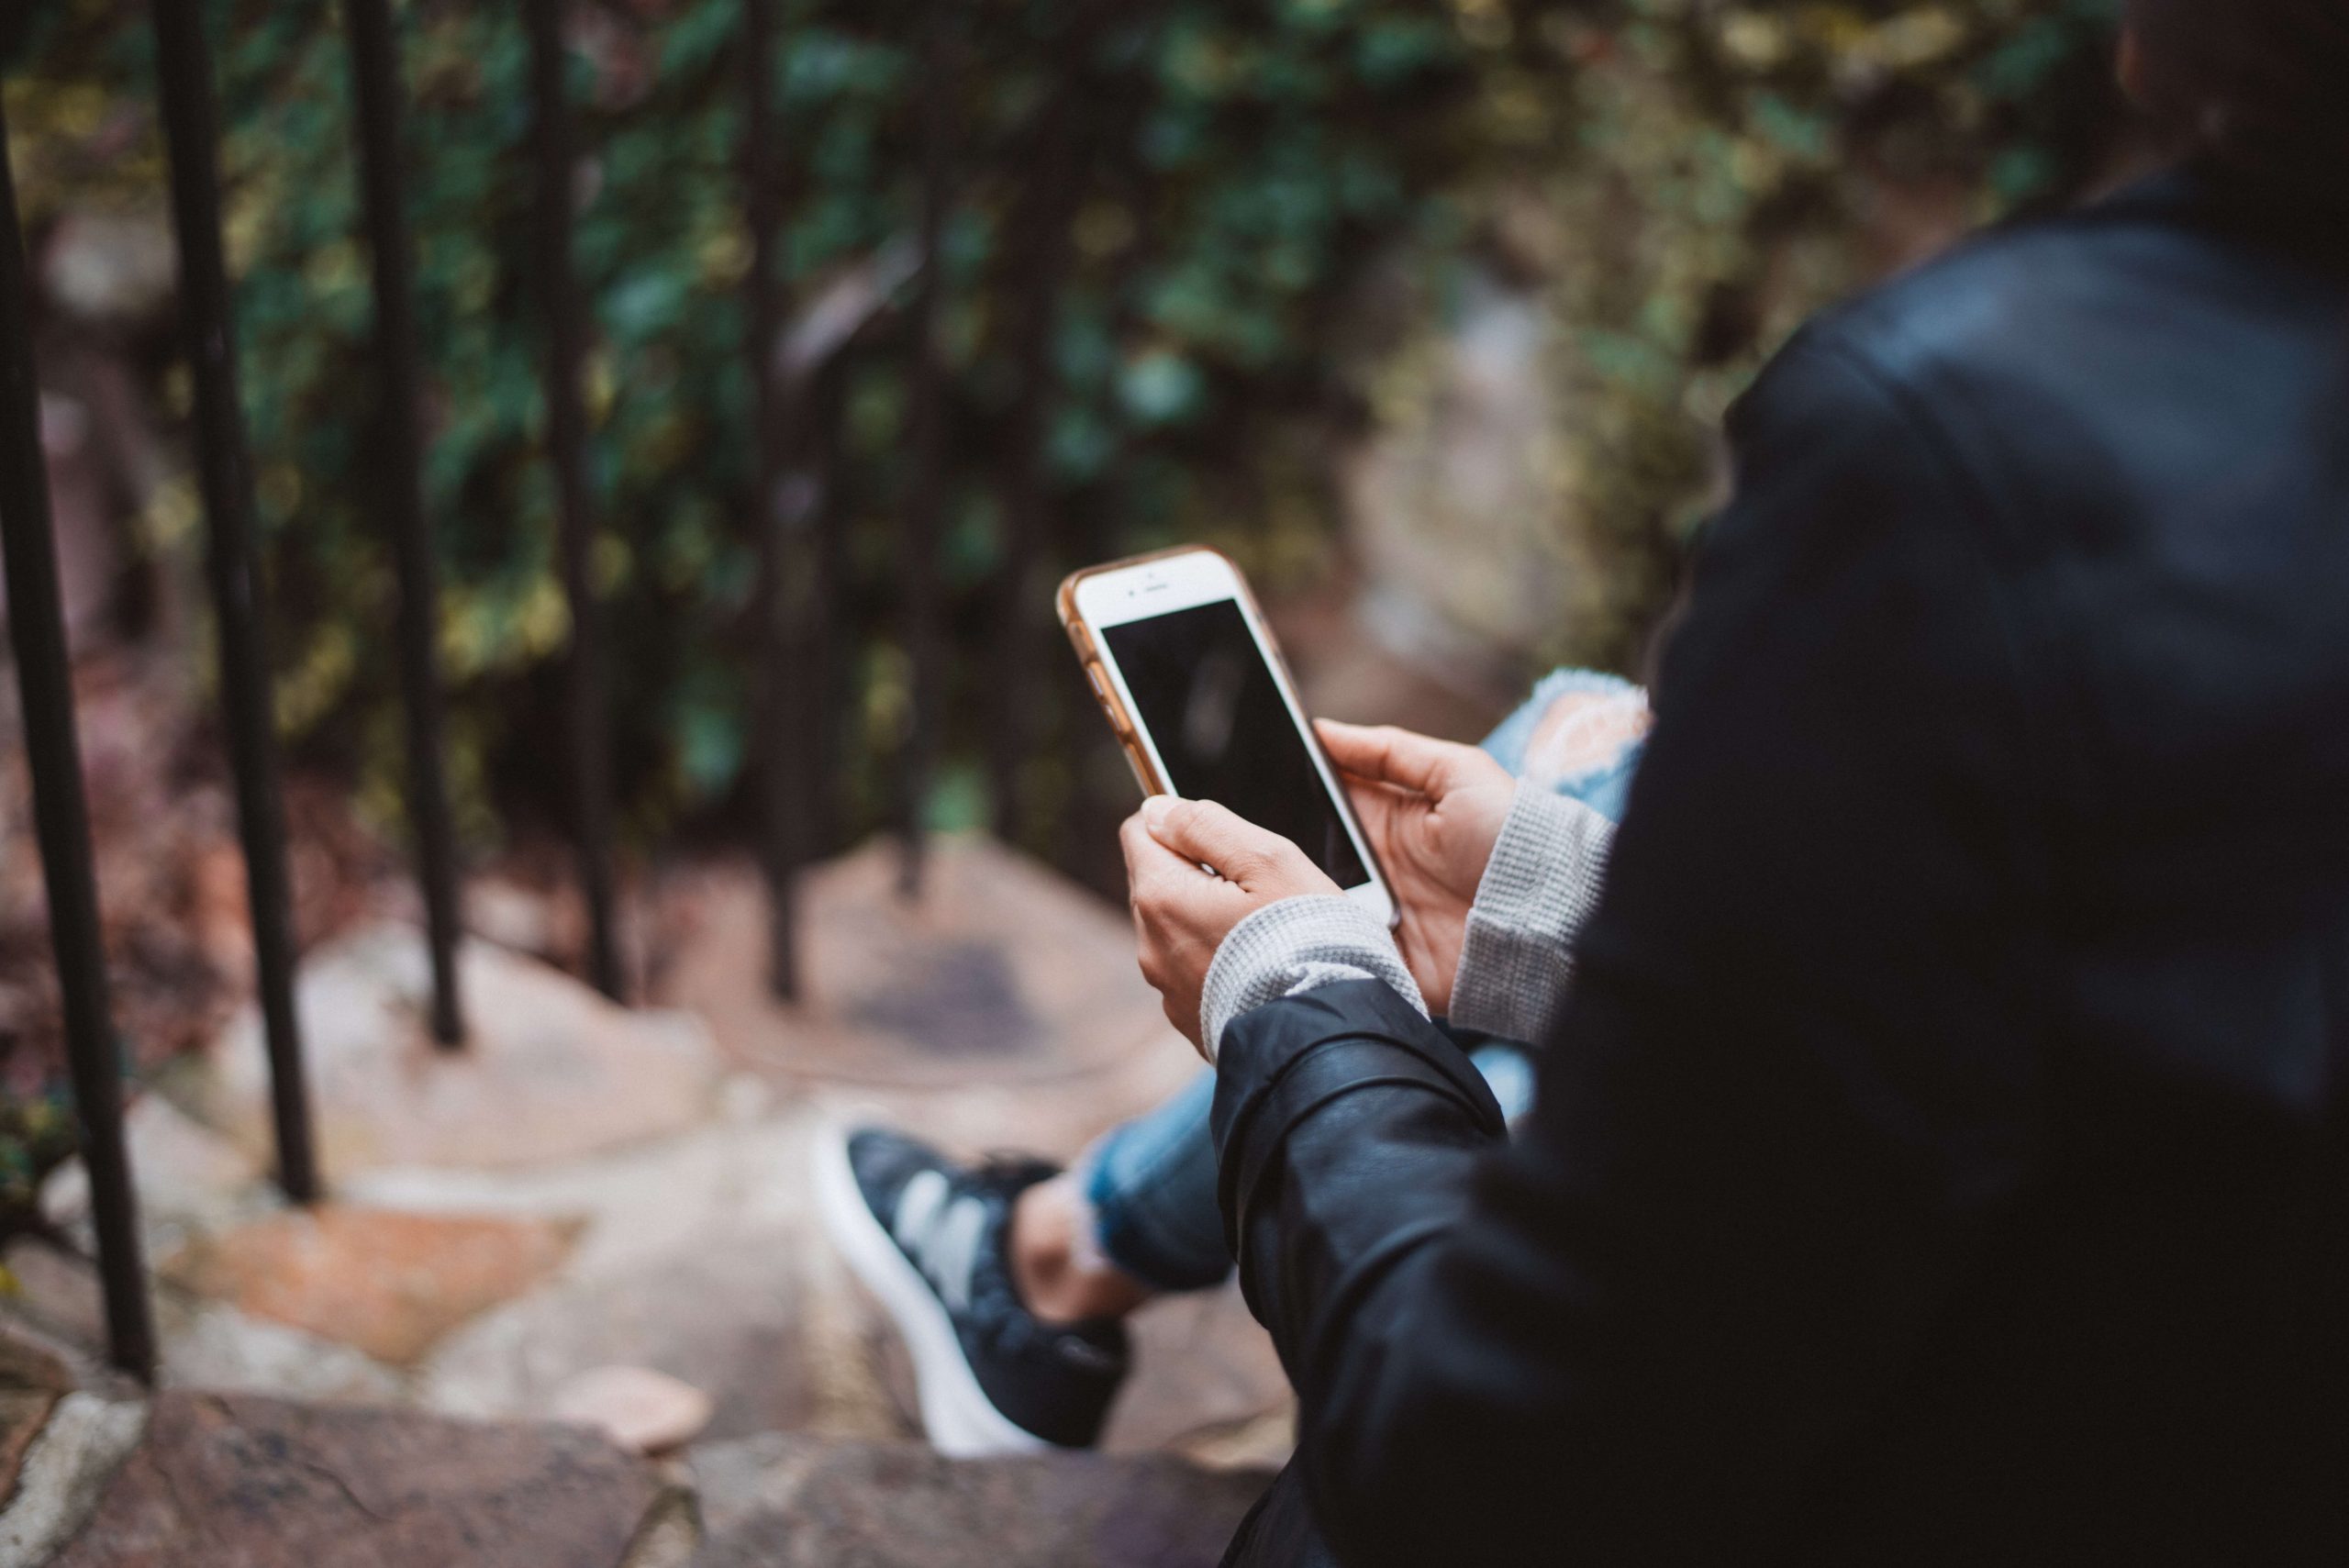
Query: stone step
[(589, 1192), (204, 1480), (550, 1072), (1002, 975), (698, 1257), (782, 1501), (237, 1481)]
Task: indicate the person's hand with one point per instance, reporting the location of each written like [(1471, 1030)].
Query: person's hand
[(1182, 913), (1433, 811)]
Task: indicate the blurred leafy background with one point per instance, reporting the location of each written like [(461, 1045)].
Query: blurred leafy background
[(1684, 180)]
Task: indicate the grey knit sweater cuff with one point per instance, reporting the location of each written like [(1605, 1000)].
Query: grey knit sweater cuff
[(1540, 886), (1297, 944)]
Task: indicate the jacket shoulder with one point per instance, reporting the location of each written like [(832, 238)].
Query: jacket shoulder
[(1999, 304)]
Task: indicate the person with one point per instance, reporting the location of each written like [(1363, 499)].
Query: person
[(1940, 1157), (1009, 1280)]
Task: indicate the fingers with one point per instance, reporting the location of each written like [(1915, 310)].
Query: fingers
[(1146, 858), (1376, 804), (1205, 833), (1388, 755)]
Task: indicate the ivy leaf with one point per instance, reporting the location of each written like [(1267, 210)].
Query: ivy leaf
[(1161, 388)]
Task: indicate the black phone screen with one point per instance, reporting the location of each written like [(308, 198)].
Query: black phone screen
[(1201, 687)]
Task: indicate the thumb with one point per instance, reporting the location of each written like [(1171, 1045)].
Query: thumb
[(1391, 756), (1207, 834)]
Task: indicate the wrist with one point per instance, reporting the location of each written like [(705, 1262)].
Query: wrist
[(1296, 945), (1540, 886)]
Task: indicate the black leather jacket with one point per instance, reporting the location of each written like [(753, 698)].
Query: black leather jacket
[(1942, 1159)]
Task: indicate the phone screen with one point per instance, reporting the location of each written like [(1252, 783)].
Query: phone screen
[(1201, 687)]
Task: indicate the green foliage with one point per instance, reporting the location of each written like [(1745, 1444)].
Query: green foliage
[(37, 1133), (1239, 162), (1701, 167), (1732, 169)]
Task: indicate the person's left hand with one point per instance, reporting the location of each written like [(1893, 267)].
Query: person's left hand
[(1182, 913)]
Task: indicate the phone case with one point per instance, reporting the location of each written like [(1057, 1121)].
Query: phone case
[(1106, 693), (1112, 707), (1122, 723)]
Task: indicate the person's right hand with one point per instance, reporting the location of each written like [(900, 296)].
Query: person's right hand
[(1433, 811)]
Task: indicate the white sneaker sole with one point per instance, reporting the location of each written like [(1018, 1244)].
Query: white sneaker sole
[(958, 1419)]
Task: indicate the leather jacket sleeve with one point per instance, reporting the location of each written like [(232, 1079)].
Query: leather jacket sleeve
[(1795, 1071)]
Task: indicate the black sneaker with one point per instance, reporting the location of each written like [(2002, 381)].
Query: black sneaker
[(927, 1237)]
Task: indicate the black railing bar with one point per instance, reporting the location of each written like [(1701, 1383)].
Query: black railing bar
[(785, 689), (191, 127), (586, 708), (777, 513), (44, 679), (925, 498), (1045, 218), (399, 495), (828, 671), (795, 512)]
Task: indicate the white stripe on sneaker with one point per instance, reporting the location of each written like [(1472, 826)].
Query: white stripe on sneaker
[(942, 1242)]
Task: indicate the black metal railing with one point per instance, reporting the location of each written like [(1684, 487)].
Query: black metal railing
[(224, 470), (926, 497), (778, 511), (44, 676), (399, 491), (796, 389), (1045, 230), (584, 707)]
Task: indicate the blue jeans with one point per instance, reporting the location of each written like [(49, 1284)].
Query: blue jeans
[(1152, 1180)]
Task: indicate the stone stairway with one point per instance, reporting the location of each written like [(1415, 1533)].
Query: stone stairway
[(590, 1203), (199, 1480)]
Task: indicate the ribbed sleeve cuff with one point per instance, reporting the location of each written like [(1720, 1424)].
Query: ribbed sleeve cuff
[(1297, 944), (1540, 886)]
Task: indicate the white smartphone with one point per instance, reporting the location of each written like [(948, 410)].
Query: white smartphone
[(1185, 668)]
